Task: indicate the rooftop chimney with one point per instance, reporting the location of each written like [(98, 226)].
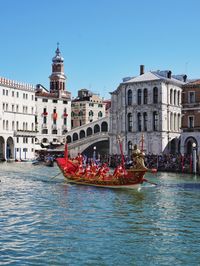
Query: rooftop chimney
[(141, 69), (184, 78), (169, 74)]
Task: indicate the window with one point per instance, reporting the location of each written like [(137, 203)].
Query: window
[(17, 94), (65, 102), (139, 96), (145, 121), (130, 122), (54, 101), (13, 108), (3, 106), (13, 125), (3, 92), (175, 98), (13, 93), (100, 114), (17, 108), (155, 121), (100, 105), (139, 122), (130, 97), (155, 95), (191, 97), (65, 121), (178, 98), (44, 100), (145, 96), (191, 121)]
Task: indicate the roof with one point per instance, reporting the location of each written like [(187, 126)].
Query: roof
[(152, 76)]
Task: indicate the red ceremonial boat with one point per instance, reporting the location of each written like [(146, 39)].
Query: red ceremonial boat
[(92, 175)]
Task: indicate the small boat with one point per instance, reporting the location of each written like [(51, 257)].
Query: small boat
[(92, 175)]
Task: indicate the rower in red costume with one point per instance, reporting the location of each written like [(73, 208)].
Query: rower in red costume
[(79, 158), (103, 172), (87, 173), (119, 172), (94, 169)]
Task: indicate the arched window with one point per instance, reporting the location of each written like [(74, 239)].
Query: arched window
[(82, 134), (174, 97), (75, 136), (130, 97), (171, 94), (179, 122), (175, 128), (178, 98), (155, 95), (96, 128), (89, 131), (155, 121), (104, 127), (72, 114), (100, 114), (139, 96), (145, 96), (69, 139), (171, 122), (130, 122), (139, 122), (145, 121)]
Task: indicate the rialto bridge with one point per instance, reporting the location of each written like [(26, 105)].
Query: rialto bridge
[(90, 138)]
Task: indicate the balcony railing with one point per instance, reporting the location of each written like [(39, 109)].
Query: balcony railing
[(25, 133)]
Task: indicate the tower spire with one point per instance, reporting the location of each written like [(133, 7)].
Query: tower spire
[(57, 77)]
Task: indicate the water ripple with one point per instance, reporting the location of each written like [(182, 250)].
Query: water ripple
[(48, 222)]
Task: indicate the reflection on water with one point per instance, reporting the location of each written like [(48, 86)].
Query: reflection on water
[(45, 221)]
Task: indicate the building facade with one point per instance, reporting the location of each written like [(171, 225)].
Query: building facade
[(190, 137), (148, 105), (86, 108), (17, 120)]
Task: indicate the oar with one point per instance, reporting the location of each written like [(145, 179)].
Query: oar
[(146, 180), (56, 175)]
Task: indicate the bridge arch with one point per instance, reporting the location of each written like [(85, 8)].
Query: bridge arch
[(75, 136), (82, 134), (89, 131), (69, 139), (104, 127), (96, 128)]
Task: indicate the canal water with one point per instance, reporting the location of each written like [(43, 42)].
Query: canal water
[(45, 221)]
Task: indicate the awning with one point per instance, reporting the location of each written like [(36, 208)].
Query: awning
[(39, 148)]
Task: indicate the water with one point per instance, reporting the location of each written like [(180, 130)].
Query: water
[(46, 221)]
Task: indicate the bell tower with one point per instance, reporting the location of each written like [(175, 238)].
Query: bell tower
[(57, 77)]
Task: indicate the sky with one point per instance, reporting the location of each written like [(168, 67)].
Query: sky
[(102, 41)]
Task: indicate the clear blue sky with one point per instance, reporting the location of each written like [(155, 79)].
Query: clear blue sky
[(102, 41)]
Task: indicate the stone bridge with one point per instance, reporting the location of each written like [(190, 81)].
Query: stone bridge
[(89, 138)]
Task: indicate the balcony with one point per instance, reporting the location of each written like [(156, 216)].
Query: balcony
[(24, 133)]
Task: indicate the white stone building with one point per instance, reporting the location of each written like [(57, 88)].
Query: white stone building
[(148, 105), (17, 120), (53, 108)]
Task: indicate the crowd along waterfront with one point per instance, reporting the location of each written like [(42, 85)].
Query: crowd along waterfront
[(45, 221)]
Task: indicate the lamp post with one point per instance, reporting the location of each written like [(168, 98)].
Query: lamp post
[(194, 157), (94, 153)]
